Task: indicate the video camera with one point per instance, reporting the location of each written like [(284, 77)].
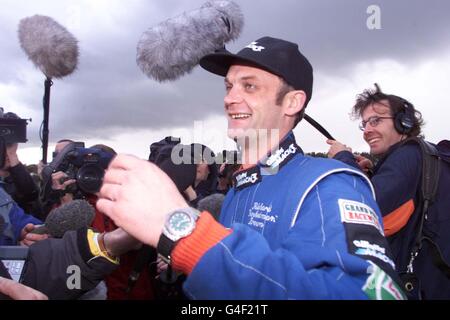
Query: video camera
[(86, 165), (12, 130)]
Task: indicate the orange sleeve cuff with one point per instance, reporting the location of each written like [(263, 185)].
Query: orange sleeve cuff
[(208, 232)]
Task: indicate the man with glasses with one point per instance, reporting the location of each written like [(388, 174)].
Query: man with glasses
[(387, 122)]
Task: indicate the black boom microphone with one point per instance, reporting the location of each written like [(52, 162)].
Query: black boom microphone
[(174, 47), (53, 50), (319, 128)]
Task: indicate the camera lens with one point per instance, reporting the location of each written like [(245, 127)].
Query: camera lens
[(90, 178)]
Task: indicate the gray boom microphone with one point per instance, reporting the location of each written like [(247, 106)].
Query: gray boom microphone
[(174, 47), (52, 48)]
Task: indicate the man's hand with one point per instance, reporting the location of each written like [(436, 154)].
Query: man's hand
[(60, 181), (190, 193), (11, 155), (118, 242), (160, 265), (17, 291), (137, 195), (27, 238), (336, 147), (11, 159), (364, 163)]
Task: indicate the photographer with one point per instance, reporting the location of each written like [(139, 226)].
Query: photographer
[(14, 176), (17, 224)]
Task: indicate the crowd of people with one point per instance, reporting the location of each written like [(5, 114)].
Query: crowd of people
[(290, 226)]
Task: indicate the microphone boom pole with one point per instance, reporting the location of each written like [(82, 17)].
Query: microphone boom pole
[(319, 128), (45, 132)]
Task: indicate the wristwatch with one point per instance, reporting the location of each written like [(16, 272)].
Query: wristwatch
[(179, 224)]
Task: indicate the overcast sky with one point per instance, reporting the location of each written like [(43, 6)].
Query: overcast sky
[(109, 100)]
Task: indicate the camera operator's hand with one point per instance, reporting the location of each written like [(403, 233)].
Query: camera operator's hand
[(18, 291), (27, 238), (11, 159), (11, 155), (60, 181), (138, 195)]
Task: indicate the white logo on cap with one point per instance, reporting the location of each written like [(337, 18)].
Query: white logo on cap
[(254, 47)]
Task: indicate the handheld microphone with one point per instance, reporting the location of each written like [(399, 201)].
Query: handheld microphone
[(52, 48), (70, 216), (173, 48)]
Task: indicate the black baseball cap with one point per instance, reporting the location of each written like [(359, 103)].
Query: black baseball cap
[(277, 56)]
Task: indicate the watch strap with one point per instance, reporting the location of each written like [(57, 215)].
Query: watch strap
[(165, 247)]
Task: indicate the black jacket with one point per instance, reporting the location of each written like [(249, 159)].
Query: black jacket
[(51, 264)]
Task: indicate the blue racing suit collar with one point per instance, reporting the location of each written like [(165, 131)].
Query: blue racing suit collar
[(270, 164)]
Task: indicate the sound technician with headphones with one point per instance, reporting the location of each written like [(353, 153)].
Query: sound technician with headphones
[(389, 124)]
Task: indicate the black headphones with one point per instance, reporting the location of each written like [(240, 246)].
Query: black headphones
[(404, 120)]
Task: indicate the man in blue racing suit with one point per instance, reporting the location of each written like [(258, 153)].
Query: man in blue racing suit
[(292, 227)]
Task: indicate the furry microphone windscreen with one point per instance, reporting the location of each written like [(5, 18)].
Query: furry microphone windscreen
[(70, 216), (52, 48), (212, 204), (174, 47)]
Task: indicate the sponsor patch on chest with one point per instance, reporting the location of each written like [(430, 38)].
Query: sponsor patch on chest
[(359, 213)]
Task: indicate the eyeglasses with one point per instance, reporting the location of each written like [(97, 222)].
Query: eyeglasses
[(373, 121)]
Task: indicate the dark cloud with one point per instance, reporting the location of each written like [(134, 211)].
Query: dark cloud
[(335, 34)]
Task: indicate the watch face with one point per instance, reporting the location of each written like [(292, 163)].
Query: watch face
[(180, 224)]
